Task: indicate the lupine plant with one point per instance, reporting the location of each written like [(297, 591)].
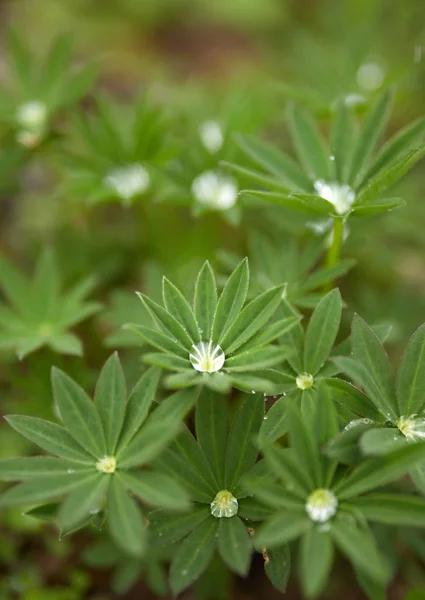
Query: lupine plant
[(241, 423)]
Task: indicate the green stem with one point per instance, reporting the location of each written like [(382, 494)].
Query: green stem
[(335, 247)]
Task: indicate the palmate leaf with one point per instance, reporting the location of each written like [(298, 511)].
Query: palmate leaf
[(167, 322), (125, 520), (381, 441), (193, 556), (360, 549), (309, 145), (157, 339), (282, 528), (190, 451), (304, 447), (285, 466), (372, 128), (177, 305), (381, 470), (50, 437), (167, 528), (24, 469), (138, 405), (254, 359), (274, 161), (342, 133), (277, 566), (392, 509), (82, 502), (251, 319), (78, 413), (322, 331), (212, 430), (242, 452), (317, 554), (410, 394), (368, 350), (110, 401), (156, 489), (230, 302), (234, 544), (205, 300), (160, 427)]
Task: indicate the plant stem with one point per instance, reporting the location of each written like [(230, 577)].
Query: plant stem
[(335, 247)]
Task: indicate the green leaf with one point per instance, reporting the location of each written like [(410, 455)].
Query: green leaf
[(23, 469), (241, 451), (400, 143), (322, 331), (254, 316), (157, 339), (176, 466), (392, 509), (381, 470), (271, 494), (362, 377), (50, 437), (189, 450), (277, 566), (205, 300), (212, 431), (325, 275), (272, 160), (271, 332), (83, 501), (125, 519), (167, 361), (309, 145), (349, 396), (256, 358), (316, 203), (78, 413), (360, 549), (66, 343), (167, 322), (388, 177), (285, 465), (345, 445), (45, 285), (276, 424), (178, 306), (282, 528), (376, 207), (371, 130), (410, 393), (15, 286), (252, 510), (368, 350), (45, 512), (341, 139), (138, 406), (304, 447), (156, 489), (381, 441), (317, 554), (168, 528), (231, 301), (257, 176), (234, 544), (41, 489), (290, 201), (110, 398), (193, 556), (160, 428), (21, 58)]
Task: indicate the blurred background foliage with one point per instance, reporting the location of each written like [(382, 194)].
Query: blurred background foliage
[(236, 63)]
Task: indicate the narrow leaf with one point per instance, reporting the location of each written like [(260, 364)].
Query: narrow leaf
[(410, 392), (322, 331), (234, 544), (156, 489), (125, 520), (178, 306), (212, 431), (110, 398), (205, 300), (231, 301)]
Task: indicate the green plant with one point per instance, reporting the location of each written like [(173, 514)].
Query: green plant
[(255, 428)]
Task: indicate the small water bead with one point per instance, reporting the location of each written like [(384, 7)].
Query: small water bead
[(70, 471), (32, 115), (304, 381), (107, 464), (341, 196), (128, 181), (215, 190), (321, 505), (224, 505), (211, 136), (370, 76), (207, 357)]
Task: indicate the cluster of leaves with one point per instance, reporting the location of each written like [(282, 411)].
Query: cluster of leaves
[(327, 461)]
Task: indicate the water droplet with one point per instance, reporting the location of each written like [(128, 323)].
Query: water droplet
[(265, 417), (184, 572), (70, 471), (207, 357), (252, 391), (332, 157)]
